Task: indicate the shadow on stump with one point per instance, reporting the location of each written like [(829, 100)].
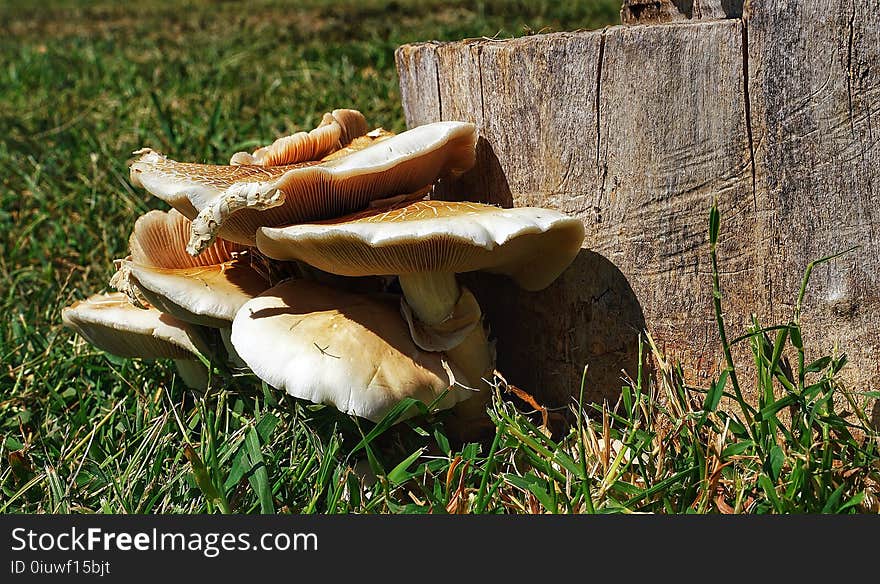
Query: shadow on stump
[(484, 183), (588, 316)]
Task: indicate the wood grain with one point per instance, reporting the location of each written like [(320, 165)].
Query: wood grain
[(665, 11), (814, 87), (636, 130)]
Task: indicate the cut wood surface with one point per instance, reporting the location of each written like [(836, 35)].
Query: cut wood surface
[(663, 11), (636, 130)]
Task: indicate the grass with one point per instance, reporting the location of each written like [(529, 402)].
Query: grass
[(83, 85)]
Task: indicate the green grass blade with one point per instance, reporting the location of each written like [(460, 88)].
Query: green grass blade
[(258, 475)]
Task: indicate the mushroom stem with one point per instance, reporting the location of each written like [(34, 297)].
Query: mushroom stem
[(431, 295), (474, 356), (231, 354), (193, 373)]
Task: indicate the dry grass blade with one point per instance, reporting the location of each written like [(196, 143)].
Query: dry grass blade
[(459, 501)]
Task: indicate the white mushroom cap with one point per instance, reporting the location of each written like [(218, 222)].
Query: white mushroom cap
[(207, 289), (531, 245), (351, 351), (335, 131), (208, 296), (235, 201), (113, 324)]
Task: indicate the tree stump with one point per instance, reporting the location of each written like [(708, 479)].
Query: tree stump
[(663, 11), (636, 130)]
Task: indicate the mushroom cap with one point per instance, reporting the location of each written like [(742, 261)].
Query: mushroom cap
[(336, 129), (159, 240), (113, 324), (360, 143), (208, 296), (351, 351), (235, 201), (207, 289), (529, 244)]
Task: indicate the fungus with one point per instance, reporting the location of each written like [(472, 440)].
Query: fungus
[(113, 324), (425, 244), (336, 130), (207, 289), (351, 351), (235, 201), (360, 143)]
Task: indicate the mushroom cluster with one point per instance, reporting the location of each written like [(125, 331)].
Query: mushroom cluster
[(286, 262)]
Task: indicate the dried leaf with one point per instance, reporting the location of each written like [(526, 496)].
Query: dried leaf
[(721, 503), (21, 466), (526, 397), (450, 473), (458, 502)]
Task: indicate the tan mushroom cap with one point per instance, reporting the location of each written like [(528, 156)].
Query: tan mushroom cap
[(351, 351), (159, 240), (531, 245), (113, 324), (235, 201), (336, 129), (207, 289), (360, 143)]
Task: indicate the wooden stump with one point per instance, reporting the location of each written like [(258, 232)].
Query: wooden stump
[(663, 11), (636, 130)]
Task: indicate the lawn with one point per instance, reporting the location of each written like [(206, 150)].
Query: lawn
[(83, 85)]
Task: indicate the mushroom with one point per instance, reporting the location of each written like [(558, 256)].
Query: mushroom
[(425, 244), (351, 351), (336, 130), (113, 324), (235, 201), (360, 143), (207, 289)]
